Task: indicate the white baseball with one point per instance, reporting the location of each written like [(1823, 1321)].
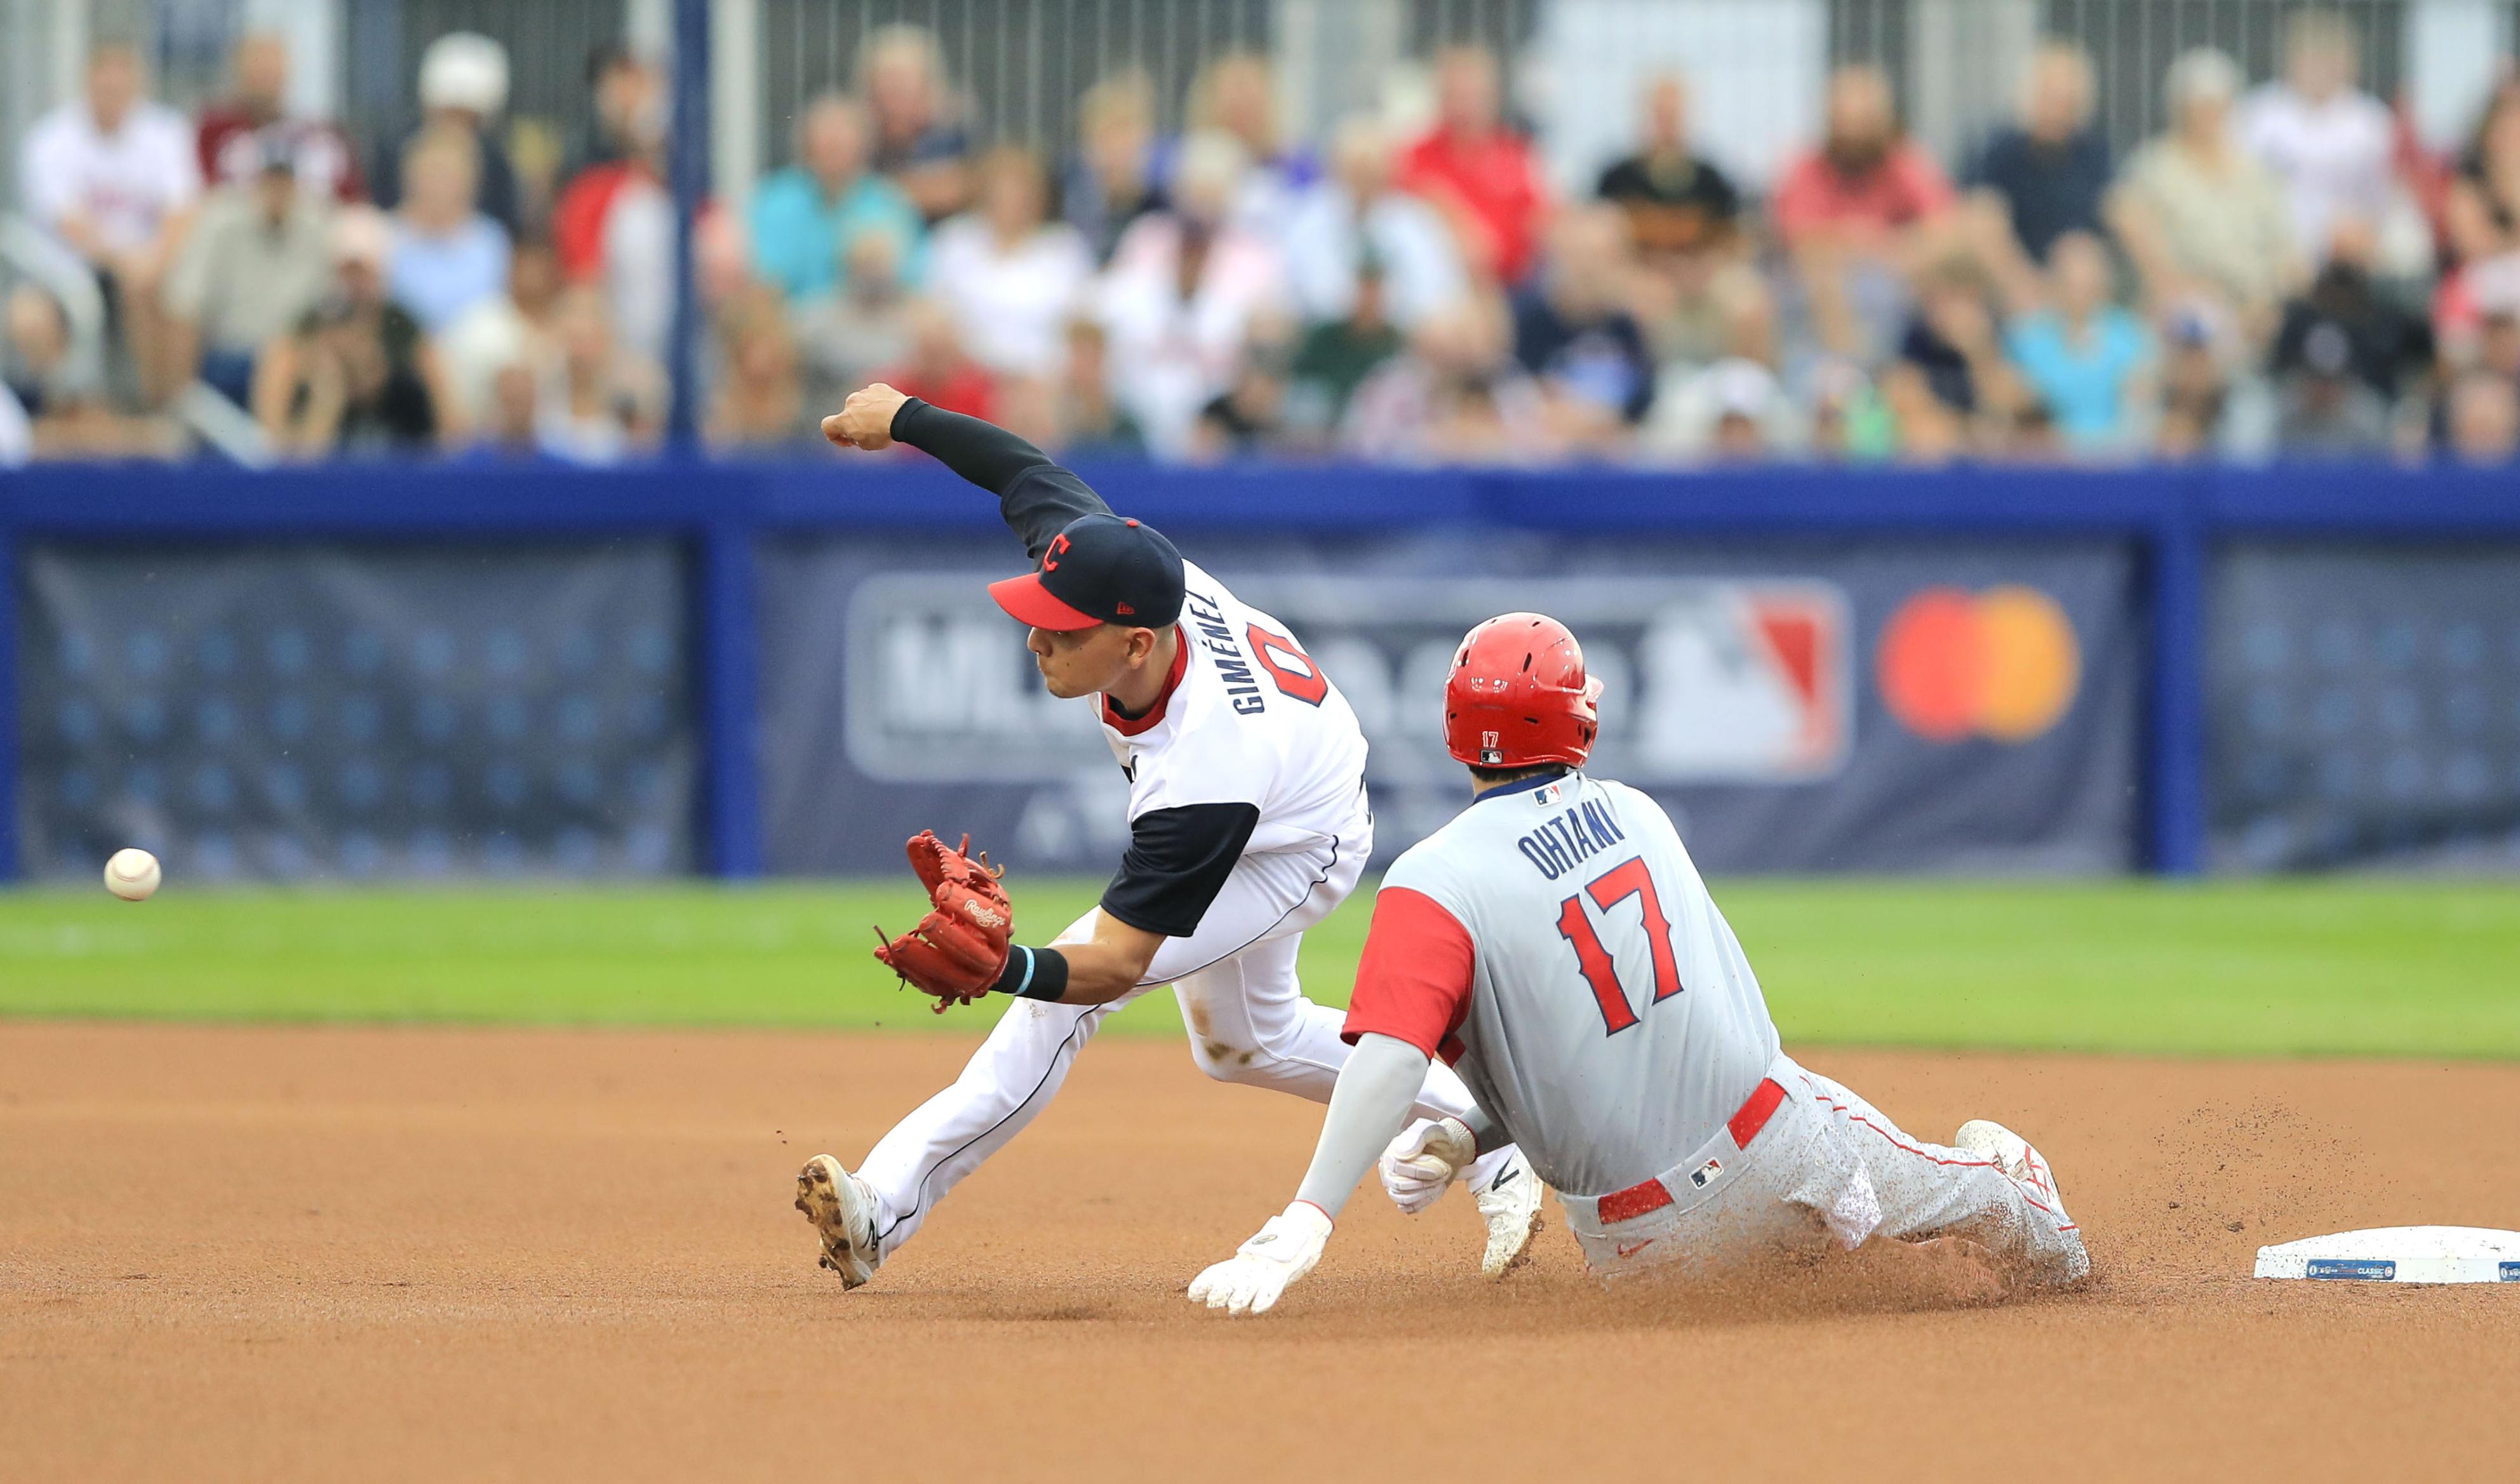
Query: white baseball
[(131, 875)]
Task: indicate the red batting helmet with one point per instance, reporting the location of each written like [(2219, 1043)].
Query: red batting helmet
[(1518, 697)]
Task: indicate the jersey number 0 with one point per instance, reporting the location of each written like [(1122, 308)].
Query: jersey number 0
[(1288, 665), (1607, 891)]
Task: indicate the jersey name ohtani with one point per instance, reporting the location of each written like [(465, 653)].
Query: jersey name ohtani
[(1562, 840), (1555, 942)]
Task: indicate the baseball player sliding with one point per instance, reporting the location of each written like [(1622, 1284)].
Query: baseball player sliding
[(1247, 823), (1555, 946)]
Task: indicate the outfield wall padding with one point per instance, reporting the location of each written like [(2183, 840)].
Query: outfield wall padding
[(787, 668)]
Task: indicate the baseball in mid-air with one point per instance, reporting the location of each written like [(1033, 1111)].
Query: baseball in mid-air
[(131, 875)]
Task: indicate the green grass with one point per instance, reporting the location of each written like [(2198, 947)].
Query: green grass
[(2394, 967)]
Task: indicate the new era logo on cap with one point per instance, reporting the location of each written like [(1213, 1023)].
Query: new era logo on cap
[(1101, 569)]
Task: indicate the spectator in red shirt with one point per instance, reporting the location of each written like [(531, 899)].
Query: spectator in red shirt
[(939, 369), (1482, 173), (234, 146), (1861, 210)]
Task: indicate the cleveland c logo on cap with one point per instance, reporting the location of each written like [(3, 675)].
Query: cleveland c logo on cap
[(1058, 546)]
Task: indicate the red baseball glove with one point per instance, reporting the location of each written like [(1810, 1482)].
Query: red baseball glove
[(958, 950)]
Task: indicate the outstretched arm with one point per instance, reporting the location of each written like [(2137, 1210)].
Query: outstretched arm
[(1037, 497), (1376, 1091), (1413, 988)]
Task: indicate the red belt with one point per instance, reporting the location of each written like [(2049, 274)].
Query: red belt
[(1651, 1195)]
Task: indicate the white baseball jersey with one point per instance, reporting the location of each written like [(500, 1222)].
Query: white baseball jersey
[(125, 183), (1248, 719), (1556, 945)]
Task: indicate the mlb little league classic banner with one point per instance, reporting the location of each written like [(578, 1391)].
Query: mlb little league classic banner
[(1798, 705)]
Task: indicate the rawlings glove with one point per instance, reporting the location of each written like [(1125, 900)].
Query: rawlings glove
[(1424, 1161), (957, 951), (1250, 1281)]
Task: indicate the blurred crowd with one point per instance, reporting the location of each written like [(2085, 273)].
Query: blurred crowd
[(2285, 269)]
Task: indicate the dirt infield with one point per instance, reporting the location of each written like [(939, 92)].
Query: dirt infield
[(376, 1254)]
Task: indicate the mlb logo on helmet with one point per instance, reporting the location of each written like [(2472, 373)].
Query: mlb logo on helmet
[(1488, 749)]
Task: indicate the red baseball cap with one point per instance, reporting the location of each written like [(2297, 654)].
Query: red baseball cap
[(1027, 602)]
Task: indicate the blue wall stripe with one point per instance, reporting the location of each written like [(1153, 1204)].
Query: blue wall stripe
[(8, 707), (2172, 516)]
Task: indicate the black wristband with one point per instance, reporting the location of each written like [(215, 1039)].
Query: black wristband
[(1033, 973)]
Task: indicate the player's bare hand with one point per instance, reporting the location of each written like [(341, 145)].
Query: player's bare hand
[(1422, 1164), (1252, 1281), (865, 421)]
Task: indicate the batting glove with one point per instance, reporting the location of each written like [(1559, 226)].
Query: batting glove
[(1425, 1161), (1250, 1281)]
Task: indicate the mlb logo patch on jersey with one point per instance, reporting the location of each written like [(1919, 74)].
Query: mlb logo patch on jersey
[(1547, 795), (1704, 1175)]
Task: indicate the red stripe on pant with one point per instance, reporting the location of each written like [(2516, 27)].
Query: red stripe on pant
[(1908, 1146)]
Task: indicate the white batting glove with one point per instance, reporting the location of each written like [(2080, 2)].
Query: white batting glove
[(1425, 1161), (1250, 1281)]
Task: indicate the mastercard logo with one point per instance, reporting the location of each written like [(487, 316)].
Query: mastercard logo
[(2001, 663)]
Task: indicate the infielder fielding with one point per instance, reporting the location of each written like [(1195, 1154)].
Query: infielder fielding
[(1557, 947), (1247, 823)]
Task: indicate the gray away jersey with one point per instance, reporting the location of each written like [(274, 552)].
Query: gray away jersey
[(1556, 945)]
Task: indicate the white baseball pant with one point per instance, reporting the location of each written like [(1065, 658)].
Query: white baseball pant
[(1245, 1010), (1825, 1168)]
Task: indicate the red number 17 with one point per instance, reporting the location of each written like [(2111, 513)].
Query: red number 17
[(1607, 891)]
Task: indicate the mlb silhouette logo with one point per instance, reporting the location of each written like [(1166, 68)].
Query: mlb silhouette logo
[(1742, 682), (1706, 1172), (1489, 752)]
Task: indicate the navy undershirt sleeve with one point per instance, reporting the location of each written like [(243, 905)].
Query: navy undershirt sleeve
[(1177, 862), (1037, 497)]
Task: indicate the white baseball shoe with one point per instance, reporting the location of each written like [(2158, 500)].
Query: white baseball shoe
[(1510, 1203), (843, 1210), (2011, 1151)]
